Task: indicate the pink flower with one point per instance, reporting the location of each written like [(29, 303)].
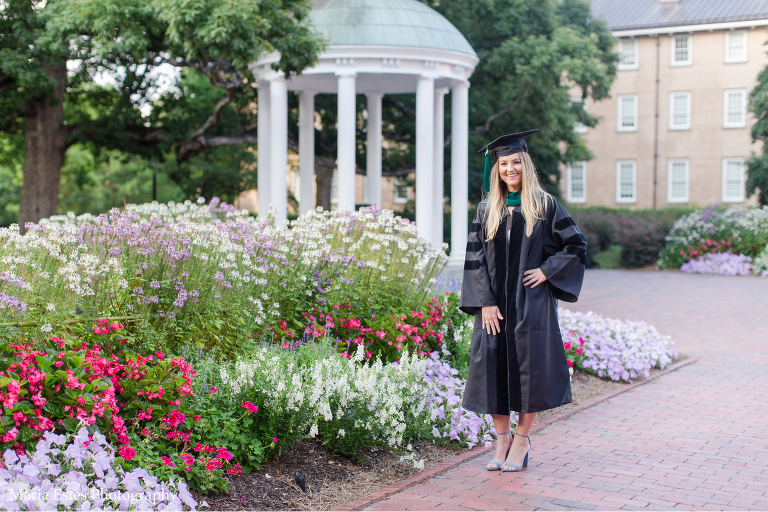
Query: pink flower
[(175, 418), (250, 406), (167, 461), (197, 417), (566, 345), (213, 390), (570, 363), (127, 453), (10, 435), (274, 439)]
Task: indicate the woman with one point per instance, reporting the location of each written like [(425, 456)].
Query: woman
[(523, 253)]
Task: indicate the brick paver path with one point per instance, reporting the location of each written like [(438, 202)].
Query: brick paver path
[(696, 438)]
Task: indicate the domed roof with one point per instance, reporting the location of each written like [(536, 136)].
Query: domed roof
[(406, 23)]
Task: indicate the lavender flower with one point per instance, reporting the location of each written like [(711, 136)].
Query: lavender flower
[(722, 264), (83, 476)]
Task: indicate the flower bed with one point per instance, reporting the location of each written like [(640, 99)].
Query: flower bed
[(210, 273), (739, 230), (607, 347)]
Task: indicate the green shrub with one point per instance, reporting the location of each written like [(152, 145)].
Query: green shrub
[(598, 225), (639, 232)]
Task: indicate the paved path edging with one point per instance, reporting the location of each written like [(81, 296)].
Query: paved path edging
[(442, 467)]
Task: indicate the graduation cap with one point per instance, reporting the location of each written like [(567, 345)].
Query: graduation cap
[(504, 146)]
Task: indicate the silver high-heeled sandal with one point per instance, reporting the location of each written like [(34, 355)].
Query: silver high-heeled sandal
[(498, 464), (515, 467)]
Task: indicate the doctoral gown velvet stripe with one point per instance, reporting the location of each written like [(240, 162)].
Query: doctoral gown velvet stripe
[(542, 381)]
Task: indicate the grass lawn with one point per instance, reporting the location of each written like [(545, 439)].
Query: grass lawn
[(609, 258)]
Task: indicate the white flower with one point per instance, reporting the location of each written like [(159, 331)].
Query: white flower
[(342, 433), (51, 307), (46, 328), (313, 431)]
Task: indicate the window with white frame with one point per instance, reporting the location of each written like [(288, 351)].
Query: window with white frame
[(736, 46), (628, 55), (400, 195), (678, 171), (576, 182), (681, 51), (733, 180), (735, 108), (335, 187), (626, 181), (680, 111), (626, 113), (580, 127)]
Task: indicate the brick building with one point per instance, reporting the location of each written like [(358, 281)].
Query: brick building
[(676, 128)]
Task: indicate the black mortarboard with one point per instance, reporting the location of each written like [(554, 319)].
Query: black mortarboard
[(504, 146)]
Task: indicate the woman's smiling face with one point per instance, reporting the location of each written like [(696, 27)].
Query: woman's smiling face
[(511, 171)]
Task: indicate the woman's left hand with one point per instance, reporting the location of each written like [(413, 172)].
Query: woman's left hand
[(533, 278)]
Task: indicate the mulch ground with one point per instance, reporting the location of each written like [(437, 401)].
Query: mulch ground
[(333, 480)]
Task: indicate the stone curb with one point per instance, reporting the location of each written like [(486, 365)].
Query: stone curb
[(442, 467)]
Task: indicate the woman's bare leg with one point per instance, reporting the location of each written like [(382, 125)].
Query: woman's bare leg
[(520, 445), (501, 423)]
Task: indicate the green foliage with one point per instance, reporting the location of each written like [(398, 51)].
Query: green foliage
[(757, 165), (609, 258), (211, 41), (11, 176), (526, 50), (459, 344), (640, 233)]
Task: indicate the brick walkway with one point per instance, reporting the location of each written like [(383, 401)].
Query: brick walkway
[(696, 438)]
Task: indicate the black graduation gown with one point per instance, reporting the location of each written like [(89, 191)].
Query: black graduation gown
[(536, 376)]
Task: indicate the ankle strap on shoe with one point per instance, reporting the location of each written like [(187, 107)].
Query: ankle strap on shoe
[(504, 433), (521, 435)]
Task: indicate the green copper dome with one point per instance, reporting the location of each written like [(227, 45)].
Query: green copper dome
[(386, 23)]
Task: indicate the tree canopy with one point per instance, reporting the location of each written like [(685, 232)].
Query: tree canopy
[(198, 137), (129, 39), (533, 55), (757, 165)]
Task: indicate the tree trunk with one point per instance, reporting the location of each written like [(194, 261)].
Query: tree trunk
[(44, 152), (323, 176)]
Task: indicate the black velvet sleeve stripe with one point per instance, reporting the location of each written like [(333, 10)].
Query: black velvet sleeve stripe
[(564, 223), (575, 250), (472, 265), (474, 227), (576, 238), (474, 246)]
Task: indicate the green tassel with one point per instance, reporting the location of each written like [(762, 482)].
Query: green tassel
[(486, 173)]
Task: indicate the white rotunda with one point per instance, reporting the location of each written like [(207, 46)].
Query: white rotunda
[(374, 47)]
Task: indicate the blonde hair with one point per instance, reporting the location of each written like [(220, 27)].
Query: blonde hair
[(533, 198)]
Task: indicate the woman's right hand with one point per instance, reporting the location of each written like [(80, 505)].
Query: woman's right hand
[(491, 317)]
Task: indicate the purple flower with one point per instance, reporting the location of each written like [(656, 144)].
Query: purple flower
[(723, 264)]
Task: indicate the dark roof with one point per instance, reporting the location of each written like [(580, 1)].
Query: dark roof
[(639, 14)]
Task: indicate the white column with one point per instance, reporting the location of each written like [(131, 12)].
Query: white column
[(425, 150), (439, 160), (459, 183), (306, 150), (263, 184), (278, 109), (347, 128), (373, 149)]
